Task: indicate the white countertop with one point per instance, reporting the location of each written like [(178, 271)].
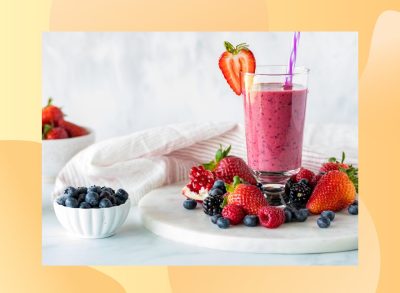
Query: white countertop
[(135, 245)]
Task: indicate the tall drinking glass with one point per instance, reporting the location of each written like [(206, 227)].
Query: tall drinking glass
[(275, 108)]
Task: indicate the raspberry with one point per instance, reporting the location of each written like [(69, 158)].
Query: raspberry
[(233, 213), (304, 174), (271, 217), (200, 177)]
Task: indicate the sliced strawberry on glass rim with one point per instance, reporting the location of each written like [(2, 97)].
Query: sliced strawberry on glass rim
[(233, 62)]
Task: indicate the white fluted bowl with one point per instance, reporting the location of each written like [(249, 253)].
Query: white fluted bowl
[(92, 223)]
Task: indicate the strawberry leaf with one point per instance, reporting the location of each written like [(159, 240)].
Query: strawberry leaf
[(225, 152), (224, 202), (332, 160), (219, 155), (231, 187), (209, 166), (229, 47), (46, 129)]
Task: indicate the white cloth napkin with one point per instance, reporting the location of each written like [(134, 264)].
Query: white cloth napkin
[(145, 160)]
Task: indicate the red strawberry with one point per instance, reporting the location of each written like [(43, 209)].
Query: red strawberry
[(233, 213), (271, 217), (333, 164), (51, 114), (54, 132), (72, 129), (315, 180), (334, 192), (304, 174), (234, 61), (249, 197), (226, 167)]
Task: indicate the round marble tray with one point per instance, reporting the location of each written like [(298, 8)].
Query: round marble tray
[(162, 213)]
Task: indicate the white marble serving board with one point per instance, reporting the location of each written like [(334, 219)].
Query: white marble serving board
[(162, 213)]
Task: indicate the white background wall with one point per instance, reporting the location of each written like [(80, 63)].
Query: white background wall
[(118, 83)]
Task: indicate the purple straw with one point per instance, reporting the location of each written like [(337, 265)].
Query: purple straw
[(292, 60)]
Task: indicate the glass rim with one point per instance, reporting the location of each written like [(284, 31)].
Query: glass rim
[(298, 70)]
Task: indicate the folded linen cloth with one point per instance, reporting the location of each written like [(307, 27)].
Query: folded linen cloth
[(148, 159)]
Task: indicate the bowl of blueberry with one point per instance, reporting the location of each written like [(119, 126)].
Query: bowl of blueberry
[(92, 212)]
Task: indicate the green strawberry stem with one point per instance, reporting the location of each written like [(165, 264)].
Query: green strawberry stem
[(46, 129), (219, 155), (231, 188), (235, 50), (49, 101), (352, 172)]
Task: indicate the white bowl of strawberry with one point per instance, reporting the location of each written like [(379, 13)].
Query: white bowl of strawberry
[(61, 140)]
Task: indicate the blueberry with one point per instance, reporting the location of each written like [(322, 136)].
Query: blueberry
[(81, 190), (108, 189), (288, 215), (323, 222), (85, 205), (105, 203), (223, 223), (216, 191), (301, 215), (105, 194), (119, 201), (61, 200), (92, 198), (71, 202), (353, 209), (215, 218), (328, 214), (122, 194), (250, 220), (220, 184), (190, 204), (81, 198), (71, 191), (94, 188), (110, 196)]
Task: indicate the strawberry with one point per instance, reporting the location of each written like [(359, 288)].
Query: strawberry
[(226, 167), (72, 129), (51, 132), (271, 217), (51, 114), (315, 180), (234, 61), (304, 174), (334, 192), (333, 164), (233, 213), (249, 197)]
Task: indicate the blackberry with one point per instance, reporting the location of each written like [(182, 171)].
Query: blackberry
[(299, 194), (212, 205)]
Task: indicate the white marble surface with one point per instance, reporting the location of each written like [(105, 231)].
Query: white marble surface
[(135, 245), (118, 83), (162, 213)]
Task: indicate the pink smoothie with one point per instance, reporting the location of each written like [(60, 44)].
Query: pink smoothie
[(274, 119)]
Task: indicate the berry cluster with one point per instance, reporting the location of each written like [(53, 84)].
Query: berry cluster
[(92, 197), (233, 201), (54, 126)]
